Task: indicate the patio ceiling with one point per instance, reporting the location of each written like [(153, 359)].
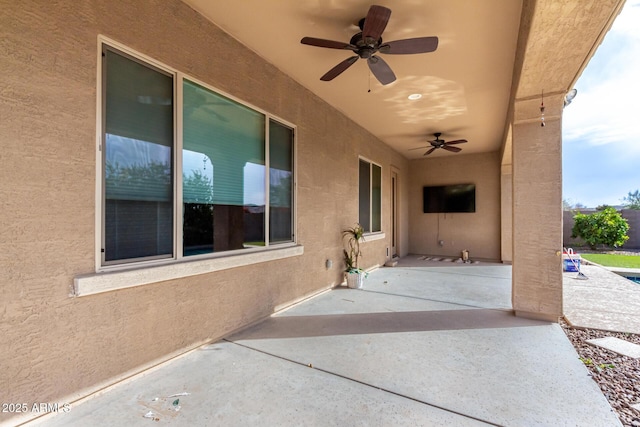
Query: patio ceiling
[(466, 84)]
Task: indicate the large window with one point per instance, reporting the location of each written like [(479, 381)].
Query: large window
[(233, 187), (370, 196), (223, 173), (138, 160)]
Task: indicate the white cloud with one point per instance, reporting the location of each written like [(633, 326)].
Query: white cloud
[(601, 127), (605, 110), (627, 22)]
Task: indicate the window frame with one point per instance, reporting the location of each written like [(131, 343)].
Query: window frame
[(160, 68), (371, 211), (177, 163)]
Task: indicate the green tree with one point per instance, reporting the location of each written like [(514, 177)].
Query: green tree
[(152, 174), (605, 227), (197, 193), (280, 191), (632, 201), (197, 187)]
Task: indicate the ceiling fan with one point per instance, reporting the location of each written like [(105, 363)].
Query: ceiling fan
[(440, 143), (367, 43)]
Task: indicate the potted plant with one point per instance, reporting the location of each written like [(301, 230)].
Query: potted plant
[(355, 275)]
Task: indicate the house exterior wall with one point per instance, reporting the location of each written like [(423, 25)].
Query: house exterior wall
[(56, 347), (506, 213), (477, 232)]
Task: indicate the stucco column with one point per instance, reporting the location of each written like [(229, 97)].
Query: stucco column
[(537, 209), (506, 213)]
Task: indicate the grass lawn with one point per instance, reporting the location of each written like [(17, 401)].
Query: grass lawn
[(611, 260)]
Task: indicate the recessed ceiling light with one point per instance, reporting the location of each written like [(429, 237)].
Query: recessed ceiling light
[(415, 96)]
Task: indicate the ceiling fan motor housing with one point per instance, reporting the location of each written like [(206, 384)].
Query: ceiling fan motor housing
[(368, 42), (365, 50)]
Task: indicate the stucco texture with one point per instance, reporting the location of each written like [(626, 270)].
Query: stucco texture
[(57, 347), (537, 209), (477, 232)]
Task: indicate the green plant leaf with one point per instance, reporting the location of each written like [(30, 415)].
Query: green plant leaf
[(586, 361), (606, 227)]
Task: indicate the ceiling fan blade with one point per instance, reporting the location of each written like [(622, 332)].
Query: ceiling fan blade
[(457, 141), (338, 69), (331, 44), (409, 46), (452, 149), (381, 70), (375, 23), (430, 151)]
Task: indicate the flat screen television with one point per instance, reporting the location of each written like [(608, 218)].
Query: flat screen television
[(449, 198)]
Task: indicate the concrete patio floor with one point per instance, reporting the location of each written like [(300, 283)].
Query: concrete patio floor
[(423, 344)]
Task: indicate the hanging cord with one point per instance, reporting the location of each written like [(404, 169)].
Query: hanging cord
[(542, 110)]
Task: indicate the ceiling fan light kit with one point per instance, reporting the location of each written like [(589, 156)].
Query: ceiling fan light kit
[(368, 43)]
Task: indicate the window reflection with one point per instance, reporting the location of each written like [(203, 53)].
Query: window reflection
[(137, 160), (280, 183), (231, 137), (197, 194)]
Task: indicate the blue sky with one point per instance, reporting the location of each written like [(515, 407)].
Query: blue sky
[(601, 127)]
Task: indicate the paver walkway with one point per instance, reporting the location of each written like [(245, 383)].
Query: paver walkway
[(604, 301)]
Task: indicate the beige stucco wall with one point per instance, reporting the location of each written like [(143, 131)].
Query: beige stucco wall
[(506, 213), (477, 232), (56, 347), (537, 209)]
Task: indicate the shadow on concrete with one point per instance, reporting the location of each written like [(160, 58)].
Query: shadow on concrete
[(377, 323)]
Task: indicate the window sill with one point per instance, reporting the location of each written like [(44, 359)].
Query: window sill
[(373, 236), (96, 283)]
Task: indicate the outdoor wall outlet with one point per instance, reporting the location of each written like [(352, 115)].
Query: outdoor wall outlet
[(441, 242), (328, 263)]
